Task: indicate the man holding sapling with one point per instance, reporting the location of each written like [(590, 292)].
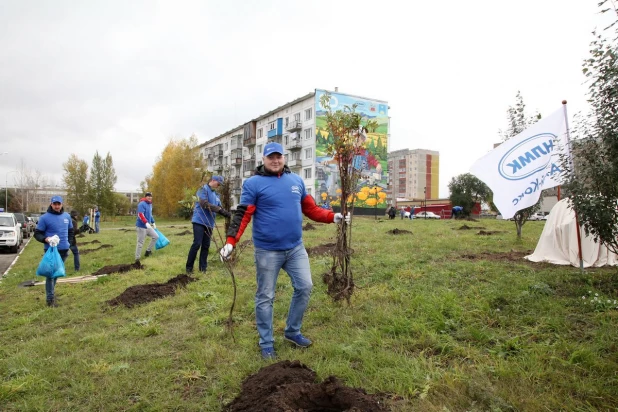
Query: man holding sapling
[(276, 199)]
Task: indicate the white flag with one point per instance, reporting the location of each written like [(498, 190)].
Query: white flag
[(518, 169)]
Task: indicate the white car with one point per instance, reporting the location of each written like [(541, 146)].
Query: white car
[(538, 216), (430, 215), (10, 232)]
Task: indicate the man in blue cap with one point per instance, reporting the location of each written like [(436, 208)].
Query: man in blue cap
[(55, 228), (276, 198), (204, 214)]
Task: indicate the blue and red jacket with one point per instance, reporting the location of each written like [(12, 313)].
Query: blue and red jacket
[(144, 213), (277, 203), (207, 205)]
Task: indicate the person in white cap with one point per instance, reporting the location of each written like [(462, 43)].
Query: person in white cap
[(276, 199), (55, 228)]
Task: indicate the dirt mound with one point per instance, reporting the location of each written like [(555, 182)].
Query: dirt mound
[(308, 226), (466, 227), (186, 232), (489, 232), (291, 386), (106, 270), (399, 232), (80, 235), (512, 256), (86, 243), (325, 249), (86, 251), (138, 294), (125, 230)]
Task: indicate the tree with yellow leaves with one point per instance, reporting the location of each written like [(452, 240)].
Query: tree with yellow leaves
[(179, 168)]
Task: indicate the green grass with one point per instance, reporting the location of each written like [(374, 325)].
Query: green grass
[(432, 328)]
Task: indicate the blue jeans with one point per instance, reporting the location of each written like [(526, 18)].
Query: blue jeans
[(75, 256), (268, 263), (201, 239), (96, 226), (50, 284)]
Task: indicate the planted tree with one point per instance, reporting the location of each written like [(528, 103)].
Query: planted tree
[(344, 142), (518, 121), (591, 182)]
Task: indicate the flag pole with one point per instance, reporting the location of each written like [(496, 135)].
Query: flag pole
[(570, 160)]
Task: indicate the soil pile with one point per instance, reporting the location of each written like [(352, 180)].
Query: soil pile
[(291, 386), (86, 251), (106, 270), (489, 232), (466, 227), (138, 294), (85, 243), (186, 232), (512, 256), (308, 226), (399, 232), (325, 249)]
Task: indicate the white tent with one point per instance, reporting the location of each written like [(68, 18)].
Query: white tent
[(558, 242)]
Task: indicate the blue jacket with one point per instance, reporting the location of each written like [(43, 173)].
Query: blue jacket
[(55, 223), (206, 207), (277, 204), (97, 216), (144, 213)]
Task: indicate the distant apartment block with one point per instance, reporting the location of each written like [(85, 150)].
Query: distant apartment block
[(414, 174)]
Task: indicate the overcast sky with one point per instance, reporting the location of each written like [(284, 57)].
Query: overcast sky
[(126, 76)]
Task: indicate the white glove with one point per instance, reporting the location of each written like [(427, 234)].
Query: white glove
[(226, 252), (154, 226), (148, 226), (339, 217), (53, 240)]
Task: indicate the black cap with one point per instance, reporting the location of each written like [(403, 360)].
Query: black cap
[(148, 194)]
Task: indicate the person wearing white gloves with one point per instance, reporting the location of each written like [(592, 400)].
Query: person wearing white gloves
[(276, 199), (146, 226), (55, 228)]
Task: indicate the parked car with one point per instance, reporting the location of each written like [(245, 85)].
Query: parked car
[(27, 228), (10, 232), (430, 215), (538, 216)]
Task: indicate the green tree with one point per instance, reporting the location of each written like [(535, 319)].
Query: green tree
[(122, 204), (101, 183), (592, 183), (518, 121), (75, 180), (467, 190)]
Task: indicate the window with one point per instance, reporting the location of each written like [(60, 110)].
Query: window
[(297, 117), (309, 191), (307, 134), (295, 155), (260, 132), (308, 153), (286, 139), (259, 149), (252, 151), (272, 125), (287, 121), (225, 147), (308, 114), (225, 162), (307, 173)]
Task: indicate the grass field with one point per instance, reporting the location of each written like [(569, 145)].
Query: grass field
[(441, 320)]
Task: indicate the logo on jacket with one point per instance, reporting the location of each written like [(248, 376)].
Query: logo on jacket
[(296, 189)]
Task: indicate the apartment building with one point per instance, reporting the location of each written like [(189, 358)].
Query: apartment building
[(415, 174), (300, 126)]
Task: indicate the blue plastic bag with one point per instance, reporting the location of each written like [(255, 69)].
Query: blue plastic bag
[(162, 241), (51, 265)]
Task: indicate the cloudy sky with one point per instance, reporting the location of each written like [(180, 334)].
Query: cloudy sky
[(126, 76)]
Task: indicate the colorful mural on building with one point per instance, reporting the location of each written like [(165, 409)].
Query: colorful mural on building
[(371, 163)]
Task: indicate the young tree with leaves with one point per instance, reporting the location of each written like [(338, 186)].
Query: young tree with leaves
[(101, 183), (75, 180), (518, 122), (591, 182)]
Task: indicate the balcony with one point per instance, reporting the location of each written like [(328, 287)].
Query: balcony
[(295, 144), (294, 125), (248, 173), (236, 161), (294, 163), (249, 156), (248, 141)]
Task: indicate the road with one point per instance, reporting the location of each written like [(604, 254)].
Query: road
[(7, 258)]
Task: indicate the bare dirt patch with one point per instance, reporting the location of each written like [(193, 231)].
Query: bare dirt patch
[(399, 232), (489, 232), (512, 256), (186, 232), (86, 243), (86, 251), (292, 386), (138, 294), (107, 270), (308, 226), (466, 227), (325, 249)]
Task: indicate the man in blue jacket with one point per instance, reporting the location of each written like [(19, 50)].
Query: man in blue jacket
[(55, 223), (97, 219), (204, 214), (145, 225), (277, 200)]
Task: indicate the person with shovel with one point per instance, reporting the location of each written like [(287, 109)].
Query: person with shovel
[(276, 198), (55, 228), (204, 214)]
